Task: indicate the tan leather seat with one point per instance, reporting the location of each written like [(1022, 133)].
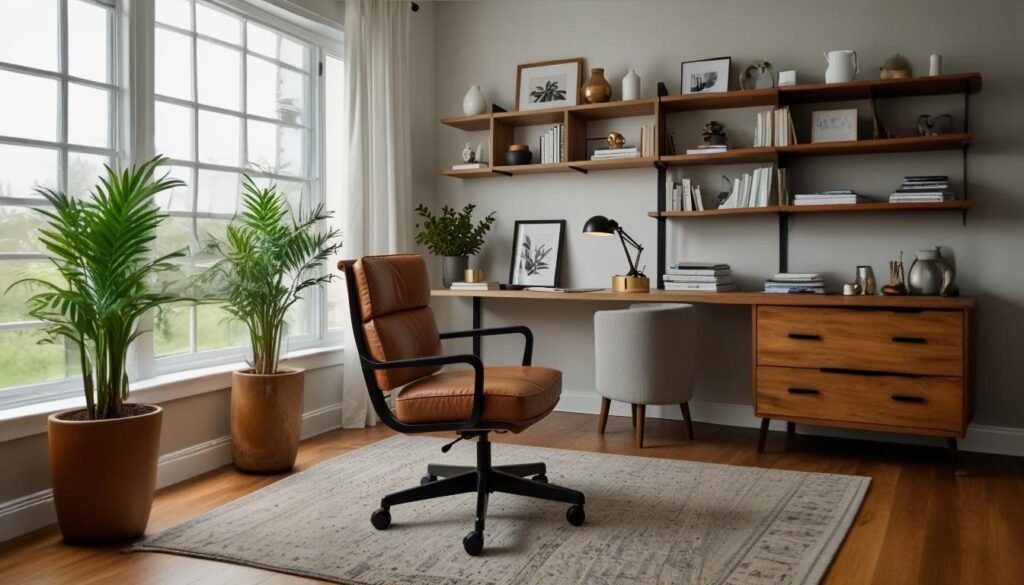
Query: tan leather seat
[(516, 395)]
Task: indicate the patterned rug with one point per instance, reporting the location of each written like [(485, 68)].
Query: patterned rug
[(649, 521)]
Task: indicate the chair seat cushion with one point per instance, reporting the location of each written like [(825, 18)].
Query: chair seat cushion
[(517, 395)]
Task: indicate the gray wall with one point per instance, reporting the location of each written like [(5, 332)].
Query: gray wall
[(482, 42)]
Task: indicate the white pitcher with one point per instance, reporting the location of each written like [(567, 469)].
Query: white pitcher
[(842, 66)]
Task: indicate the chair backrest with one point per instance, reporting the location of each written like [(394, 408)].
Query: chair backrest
[(394, 319)]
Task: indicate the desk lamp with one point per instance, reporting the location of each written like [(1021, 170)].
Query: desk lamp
[(634, 281)]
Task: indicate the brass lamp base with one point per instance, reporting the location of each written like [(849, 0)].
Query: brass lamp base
[(633, 284)]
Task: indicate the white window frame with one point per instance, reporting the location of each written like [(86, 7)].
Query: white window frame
[(131, 57)]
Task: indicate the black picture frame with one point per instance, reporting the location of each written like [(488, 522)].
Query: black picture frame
[(684, 88), (550, 280)]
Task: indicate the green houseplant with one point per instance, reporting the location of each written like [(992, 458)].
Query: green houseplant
[(454, 236), (269, 257), (103, 458)]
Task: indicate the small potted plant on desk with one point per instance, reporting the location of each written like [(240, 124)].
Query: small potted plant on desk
[(103, 458), (270, 256), (453, 236)]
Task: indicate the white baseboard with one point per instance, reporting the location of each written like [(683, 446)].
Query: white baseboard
[(27, 513), (979, 439)]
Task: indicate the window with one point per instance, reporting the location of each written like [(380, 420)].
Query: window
[(58, 127), (234, 90)]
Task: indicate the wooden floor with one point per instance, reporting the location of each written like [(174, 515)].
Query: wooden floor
[(920, 523)]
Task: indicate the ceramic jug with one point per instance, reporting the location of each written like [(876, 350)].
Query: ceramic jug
[(925, 276), (474, 102), (842, 66)]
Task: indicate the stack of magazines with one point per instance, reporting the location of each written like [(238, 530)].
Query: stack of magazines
[(699, 276), (923, 189), (795, 283), (490, 285), (616, 153), (836, 197)]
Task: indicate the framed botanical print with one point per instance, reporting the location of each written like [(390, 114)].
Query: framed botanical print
[(705, 76), (548, 84), (537, 252)]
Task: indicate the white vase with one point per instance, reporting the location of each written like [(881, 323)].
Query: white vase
[(474, 103), (631, 86)]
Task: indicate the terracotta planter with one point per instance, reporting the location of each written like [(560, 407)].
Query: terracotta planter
[(266, 418), (104, 475)]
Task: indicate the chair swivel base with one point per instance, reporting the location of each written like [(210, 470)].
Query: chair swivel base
[(484, 479)]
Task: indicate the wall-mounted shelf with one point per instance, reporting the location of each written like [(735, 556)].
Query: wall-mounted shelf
[(745, 98), (469, 123), (883, 145), (881, 206), (880, 88), (729, 157)]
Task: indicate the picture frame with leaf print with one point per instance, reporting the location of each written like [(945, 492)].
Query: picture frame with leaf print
[(548, 84), (537, 253)]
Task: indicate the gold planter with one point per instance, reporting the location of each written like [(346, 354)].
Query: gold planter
[(266, 419), (597, 89), (632, 284)]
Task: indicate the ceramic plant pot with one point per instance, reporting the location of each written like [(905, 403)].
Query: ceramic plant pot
[(266, 419), (453, 269), (104, 474)]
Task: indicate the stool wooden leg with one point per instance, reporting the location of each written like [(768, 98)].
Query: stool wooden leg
[(764, 434), (601, 422), (633, 407), (640, 412), (685, 407)]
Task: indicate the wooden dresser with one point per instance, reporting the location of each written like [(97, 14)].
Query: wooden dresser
[(880, 368)]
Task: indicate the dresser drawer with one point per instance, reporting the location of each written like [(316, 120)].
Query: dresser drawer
[(924, 402), (926, 342)]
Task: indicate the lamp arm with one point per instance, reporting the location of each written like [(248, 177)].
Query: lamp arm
[(633, 264)]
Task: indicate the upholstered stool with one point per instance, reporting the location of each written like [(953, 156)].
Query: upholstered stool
[(645, 355)]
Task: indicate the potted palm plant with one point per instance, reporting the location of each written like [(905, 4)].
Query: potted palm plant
[(269, 257), (103, 458), (454, 236)]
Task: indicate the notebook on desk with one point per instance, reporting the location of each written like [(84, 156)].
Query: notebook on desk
[(562, 290)]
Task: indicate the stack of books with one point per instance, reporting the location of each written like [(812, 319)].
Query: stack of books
[(836, 197), (774, 128), (795, 283), (699, 276), (684, 195), (552, 145), (616, 153), (467, 166), (751, 190), (708, 149), (923, 189), (489, 285)]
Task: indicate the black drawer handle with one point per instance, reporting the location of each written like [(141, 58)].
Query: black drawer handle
[(807, 336), (898, 339), (902, 398), (804, 391)]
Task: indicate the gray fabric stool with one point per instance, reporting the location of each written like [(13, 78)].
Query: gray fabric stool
[(645, 355)]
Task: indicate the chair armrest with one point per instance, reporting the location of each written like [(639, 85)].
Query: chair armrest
[(443, 360), (521, 329)]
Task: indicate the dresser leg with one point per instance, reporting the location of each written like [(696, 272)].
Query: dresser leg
[(953, 452), (790, 428), (764, 434)]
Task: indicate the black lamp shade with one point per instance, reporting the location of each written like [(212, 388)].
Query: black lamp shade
[(600, 225)]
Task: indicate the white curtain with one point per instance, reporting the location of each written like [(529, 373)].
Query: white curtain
[(376, 217)]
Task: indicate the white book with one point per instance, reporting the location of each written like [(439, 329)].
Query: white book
[(698, 198), (718, 279), (798, 276), (464, 166), (700, 286)]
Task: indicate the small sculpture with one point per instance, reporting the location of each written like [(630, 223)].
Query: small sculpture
[(895, 67), (714, 134), (933, 125), (468, 154), (616, 140), (896, 277), (758, 75)]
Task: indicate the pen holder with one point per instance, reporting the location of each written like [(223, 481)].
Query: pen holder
[(473, 275), (633, 284)]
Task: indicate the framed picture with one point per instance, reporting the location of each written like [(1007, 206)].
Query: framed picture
[(549, 84), (834, 125), (537, 252), (705, 76)]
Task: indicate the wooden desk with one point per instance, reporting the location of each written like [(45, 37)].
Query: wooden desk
[(898, 364)]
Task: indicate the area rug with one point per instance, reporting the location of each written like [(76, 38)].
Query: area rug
[(649, 521)]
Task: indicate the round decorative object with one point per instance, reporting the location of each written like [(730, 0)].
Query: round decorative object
[(473, 543), (925, 274), (616, 140), (631, 86), (474, 103), (596, 90), (518, 154), (575, 515), (381, 518), (759, 75), (895, 67)]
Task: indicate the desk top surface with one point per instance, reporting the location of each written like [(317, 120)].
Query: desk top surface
[(724, 298)]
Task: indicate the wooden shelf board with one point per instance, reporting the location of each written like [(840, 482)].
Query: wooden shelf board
[(712, 212), (880, 88), (470, 123), (735, 156), (533, 118), (608, 165), (880, 206), (467, 173), (620, 109), (747, 98), (532, 169), (884, 145)]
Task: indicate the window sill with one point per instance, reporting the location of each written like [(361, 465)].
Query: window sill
[(29, 420)]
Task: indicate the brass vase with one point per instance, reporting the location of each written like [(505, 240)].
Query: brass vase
[(597, 89)]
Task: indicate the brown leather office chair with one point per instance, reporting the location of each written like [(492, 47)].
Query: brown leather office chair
[(400, 348)]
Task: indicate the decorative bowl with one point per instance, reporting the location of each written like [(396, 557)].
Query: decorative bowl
[(518, 154)]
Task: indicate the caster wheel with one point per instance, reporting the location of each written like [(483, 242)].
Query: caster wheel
[(541, 478), (473, 543), (428, 479), (575, 515), (381, 518)]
